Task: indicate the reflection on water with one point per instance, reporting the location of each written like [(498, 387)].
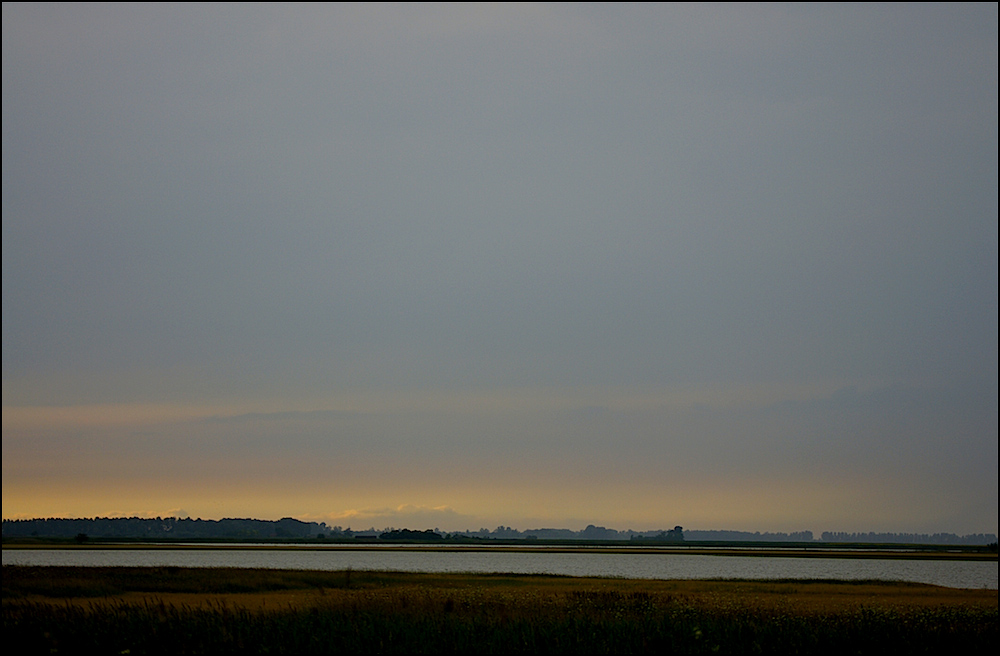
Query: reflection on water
[(960, 574)]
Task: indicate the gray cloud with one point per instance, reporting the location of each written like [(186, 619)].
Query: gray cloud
[(263, 202)]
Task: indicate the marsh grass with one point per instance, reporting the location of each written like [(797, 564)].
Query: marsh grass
[(192, 611)]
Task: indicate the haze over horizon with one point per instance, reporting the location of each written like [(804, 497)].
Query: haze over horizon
[(723, 267)]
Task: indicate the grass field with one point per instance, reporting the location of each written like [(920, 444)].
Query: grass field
[(179, 610)]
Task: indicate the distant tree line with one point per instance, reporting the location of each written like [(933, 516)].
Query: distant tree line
[(747, 536), (289, 528), (592, 532), (909, 538), (407, 534), (162, 528)]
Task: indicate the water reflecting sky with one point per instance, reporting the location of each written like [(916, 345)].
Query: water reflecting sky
[(955, 574)]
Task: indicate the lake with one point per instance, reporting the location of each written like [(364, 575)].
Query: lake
[(953, 574)]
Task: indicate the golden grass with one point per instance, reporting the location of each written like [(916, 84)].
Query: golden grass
[(178, 610), (335, 589)]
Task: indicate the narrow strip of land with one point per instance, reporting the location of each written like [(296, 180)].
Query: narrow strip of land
[(751, 552)]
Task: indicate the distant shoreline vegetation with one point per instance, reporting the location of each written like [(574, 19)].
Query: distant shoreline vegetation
[(173, 528)]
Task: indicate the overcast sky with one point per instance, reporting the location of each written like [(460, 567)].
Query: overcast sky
[(460, 266)]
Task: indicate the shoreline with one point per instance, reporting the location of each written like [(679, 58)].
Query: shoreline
[(860, 553)]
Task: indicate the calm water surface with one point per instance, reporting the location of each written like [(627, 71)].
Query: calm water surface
[(953, 574)]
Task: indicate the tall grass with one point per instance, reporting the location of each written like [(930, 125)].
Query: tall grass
[(402, 613)]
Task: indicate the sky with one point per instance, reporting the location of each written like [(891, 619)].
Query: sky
[(435, 266)]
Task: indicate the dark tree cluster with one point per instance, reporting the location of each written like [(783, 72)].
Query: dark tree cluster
[(162, 528)]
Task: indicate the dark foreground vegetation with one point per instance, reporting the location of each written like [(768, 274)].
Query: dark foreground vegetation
[(201, 611)]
